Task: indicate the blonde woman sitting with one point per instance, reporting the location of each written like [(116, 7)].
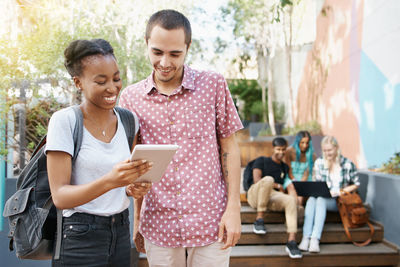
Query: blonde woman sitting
[(340, 174)]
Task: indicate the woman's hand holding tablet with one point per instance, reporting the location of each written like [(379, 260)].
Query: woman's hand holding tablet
[(160, 155)]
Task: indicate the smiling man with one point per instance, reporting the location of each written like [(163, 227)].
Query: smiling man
[(267, 193), (192, 216)]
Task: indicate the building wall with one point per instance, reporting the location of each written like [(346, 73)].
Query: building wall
[(381, 192), (350, 82), (379, 88)]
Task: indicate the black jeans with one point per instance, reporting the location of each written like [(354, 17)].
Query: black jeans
[(91, 240)]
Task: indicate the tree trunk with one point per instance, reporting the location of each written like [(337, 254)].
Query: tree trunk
[(262, 81), (265, 77), (271, 115), (289, 68)]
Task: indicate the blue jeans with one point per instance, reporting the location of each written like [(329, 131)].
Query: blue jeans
[(92, 240), (315, 214)]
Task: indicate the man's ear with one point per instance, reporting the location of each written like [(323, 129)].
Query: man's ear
[(77, 82), (187, 50)]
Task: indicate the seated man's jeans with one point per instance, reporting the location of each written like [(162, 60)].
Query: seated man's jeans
[(91, 240), (315, 214)]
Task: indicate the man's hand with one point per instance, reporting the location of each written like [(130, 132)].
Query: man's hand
[(137, 236), (279, 187), (139, 241), (230, 227), (137, 190)]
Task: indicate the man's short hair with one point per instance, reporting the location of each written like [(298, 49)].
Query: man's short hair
[(279, 141), (170, 20)]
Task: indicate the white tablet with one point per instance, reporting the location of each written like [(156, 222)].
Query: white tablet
[(160, 155)]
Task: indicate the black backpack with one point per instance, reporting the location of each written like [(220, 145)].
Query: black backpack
[(33, 219), (248, 175)]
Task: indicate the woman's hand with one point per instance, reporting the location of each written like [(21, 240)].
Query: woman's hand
[(346, 190), (335, 194), (138, 190), (350, 188), (127, 172)]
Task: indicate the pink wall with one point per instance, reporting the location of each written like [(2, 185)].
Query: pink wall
[(329, 86)]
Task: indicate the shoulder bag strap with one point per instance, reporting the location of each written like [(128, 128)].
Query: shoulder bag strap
[(366, 242)]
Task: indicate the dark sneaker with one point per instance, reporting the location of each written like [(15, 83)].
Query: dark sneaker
[(293, 250), (259, 227)]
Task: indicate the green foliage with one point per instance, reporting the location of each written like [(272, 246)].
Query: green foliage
[(251, 19), (32, 49), (313, 127), (250, 93), (259, 30), (265, 132), (256, 108), (37, 119), (392, 166)]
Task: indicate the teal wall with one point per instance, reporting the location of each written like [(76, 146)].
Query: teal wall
[(2, 190), (3, 167), (380, 111)]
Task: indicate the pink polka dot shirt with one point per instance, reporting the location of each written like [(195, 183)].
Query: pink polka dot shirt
[(185, 207)]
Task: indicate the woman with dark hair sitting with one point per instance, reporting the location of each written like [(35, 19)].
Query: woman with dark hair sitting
[(300, 158)]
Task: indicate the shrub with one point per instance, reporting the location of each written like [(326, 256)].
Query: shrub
[(313, 127), (250, 93), (392, 166)]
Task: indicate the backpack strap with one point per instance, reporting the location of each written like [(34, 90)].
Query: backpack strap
[(78, 131), (77, 134), (39, 146), (128, 120)]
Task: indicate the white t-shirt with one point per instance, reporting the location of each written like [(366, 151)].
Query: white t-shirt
[(95, 159), (336, 177)]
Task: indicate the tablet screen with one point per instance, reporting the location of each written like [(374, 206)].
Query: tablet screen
[(160, 155)]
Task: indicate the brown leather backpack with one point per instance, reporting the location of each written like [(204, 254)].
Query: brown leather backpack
[(353, 215)]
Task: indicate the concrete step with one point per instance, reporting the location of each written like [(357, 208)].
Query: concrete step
[(333, 233), (375, 254)]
